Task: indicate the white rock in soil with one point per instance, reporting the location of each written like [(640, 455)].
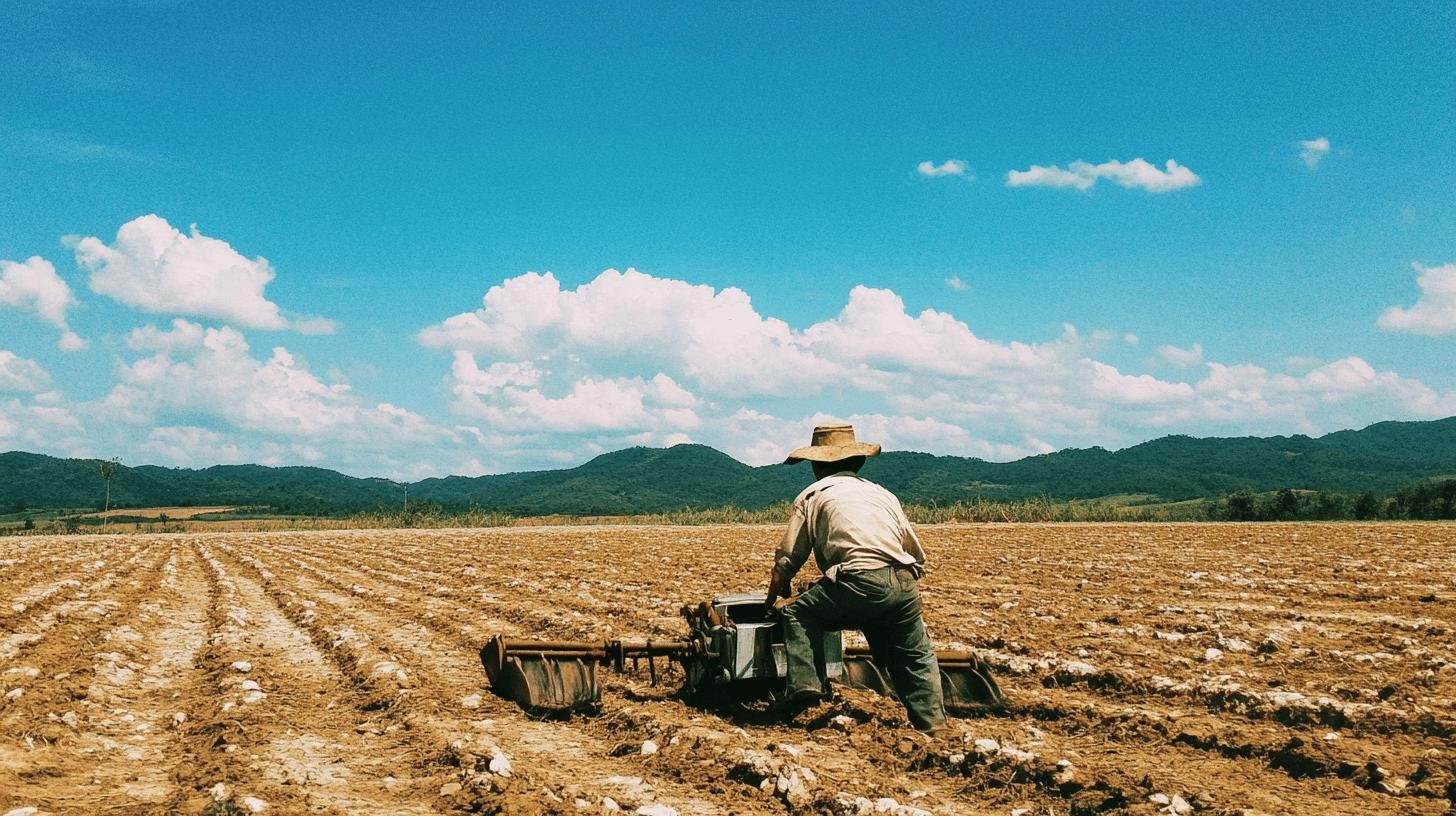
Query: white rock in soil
[(178, 718), (28, 810), (656, 810), (500, 764), (1158, 798), (15, 693), (450, 788), (473, 701), (1179, 806), (1066, 772), (250, 685), (1211, 654), (220, 792), (1020, 811), (581, 804), (254, 804), (1331, 737), (69, 718), (986, 745), (648, 749), (242, 666), (608, 803), (254, 696)]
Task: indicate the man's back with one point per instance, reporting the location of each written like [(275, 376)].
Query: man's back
[(852, 523)]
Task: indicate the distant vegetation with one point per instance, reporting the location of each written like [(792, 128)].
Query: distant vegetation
[(1430, 500), (1390, 470)]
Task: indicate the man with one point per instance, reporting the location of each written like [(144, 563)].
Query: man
[(871, 560)]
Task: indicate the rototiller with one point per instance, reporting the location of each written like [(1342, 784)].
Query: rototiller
[(733, 654)]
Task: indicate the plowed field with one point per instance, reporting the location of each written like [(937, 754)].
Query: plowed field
[(1152, 668)]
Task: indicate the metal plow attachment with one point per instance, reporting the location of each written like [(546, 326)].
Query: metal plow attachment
[(561, 677), (965, 679), (543, 676)]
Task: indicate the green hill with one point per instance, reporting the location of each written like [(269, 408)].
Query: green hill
[(1382, 457)]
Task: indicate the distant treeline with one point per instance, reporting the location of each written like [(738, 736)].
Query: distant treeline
[(1431, 500)]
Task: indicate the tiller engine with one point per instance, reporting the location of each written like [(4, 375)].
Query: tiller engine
[(734, 654)]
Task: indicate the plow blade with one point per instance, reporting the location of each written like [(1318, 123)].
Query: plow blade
[(544, 676), (966, 681)]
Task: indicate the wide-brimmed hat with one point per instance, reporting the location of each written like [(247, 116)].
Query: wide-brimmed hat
[(832, 443)]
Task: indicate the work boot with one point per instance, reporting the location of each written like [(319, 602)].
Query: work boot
[(796, 701)]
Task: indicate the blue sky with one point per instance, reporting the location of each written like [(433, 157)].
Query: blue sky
[(778, 180)]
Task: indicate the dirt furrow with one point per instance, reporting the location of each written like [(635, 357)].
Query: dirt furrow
[(275, 725), (446, 697), (72, 687)]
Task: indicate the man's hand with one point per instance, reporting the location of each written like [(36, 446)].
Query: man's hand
[(775, 590)]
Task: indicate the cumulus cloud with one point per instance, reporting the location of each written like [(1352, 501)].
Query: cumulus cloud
[(1434, 313), (34, 286), (20, 374), (628, 322), (629, 358), (191, 381), (1082, 175), (1311, 151), (1182, 358), (36, 425), (949, 167), (154, 267)]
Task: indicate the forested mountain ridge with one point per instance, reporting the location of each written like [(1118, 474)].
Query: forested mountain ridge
[(1382, 457)]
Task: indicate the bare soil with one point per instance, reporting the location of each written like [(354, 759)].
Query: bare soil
[(1218, 669)]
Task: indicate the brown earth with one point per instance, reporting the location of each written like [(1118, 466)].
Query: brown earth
[(1215, 669)]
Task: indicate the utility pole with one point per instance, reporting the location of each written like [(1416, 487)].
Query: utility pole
[(108, 469)]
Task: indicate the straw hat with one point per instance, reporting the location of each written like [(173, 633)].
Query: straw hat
[(832, 443)]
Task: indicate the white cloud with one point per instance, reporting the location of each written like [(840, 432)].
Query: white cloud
[(1182, 358), (628, 322), (554, 375), (1434, 313), (1130, 339), (190, 446), (154, 267), (37, 426), (1082, 175), (35, 286), (1311, 151), (956, 284), (506, 397), (272, 409), (949, 167), (20, 374)]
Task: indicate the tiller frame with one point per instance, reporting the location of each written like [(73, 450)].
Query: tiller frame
[(735, 653)]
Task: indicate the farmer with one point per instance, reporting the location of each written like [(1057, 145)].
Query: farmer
[(871, 559)]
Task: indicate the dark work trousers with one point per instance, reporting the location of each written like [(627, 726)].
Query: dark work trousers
[(883, 603)]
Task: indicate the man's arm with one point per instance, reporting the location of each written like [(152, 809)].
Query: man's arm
[(792, 552)]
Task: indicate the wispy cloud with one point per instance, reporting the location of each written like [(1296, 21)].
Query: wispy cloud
[(1312, 151), (64, 148), (956, 284), (1081, 175), (949, 167)]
